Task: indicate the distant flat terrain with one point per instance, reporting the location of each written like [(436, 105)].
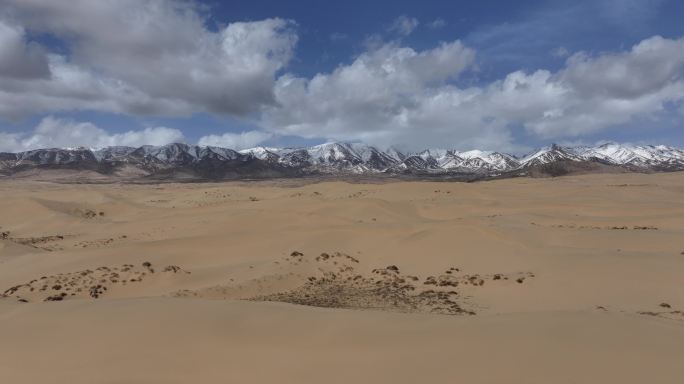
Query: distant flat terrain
[(575, 279)]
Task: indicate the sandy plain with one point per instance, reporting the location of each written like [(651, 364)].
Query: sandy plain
[(577, 279)]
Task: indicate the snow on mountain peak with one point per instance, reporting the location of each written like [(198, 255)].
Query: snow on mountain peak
[(360, 158)]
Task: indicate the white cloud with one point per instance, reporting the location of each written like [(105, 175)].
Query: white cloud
[(394, 94), (648, 67), (404, 25), (53, 132), (147, 136), (159, 57), (614, 88), (382, 97), (236, 141), (140, 57), (437, 23), (19, 59), (9, 142)]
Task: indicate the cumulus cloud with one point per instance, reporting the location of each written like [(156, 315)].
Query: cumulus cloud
[(53, 132), (159, 57), (397, 95), (235, 141), (404, 25), (392, 94), (140, 57), (613, 89), (71, 87), (18, 58), (648, 67)]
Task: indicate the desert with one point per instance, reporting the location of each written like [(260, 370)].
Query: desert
[(274, 191), (526, 280)]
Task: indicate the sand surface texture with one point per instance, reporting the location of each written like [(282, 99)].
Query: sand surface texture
[(568, 280)]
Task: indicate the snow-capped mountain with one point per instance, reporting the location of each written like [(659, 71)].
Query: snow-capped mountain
[(262, 153), (636, 155), (333, 158), (484, 161), (551, 154)]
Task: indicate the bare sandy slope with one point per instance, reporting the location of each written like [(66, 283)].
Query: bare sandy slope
[(575, 279)]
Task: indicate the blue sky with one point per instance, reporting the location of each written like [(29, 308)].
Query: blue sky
[(509, 35), (306, 64)]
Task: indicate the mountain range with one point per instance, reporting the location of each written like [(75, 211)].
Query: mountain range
[(183, 161)]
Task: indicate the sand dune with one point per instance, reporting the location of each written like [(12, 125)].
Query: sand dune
[(574, 279), (180, 341)]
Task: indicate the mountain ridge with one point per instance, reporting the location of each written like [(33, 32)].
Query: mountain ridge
[(334, 158)]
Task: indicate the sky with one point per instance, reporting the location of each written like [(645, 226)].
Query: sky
[(494, 75)]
